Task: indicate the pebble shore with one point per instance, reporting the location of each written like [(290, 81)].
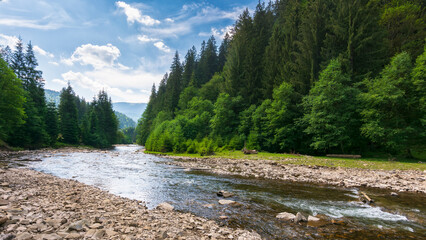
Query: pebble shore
[(35, 205), (395, 180)]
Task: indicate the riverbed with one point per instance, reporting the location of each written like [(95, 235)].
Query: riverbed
[(128, 172)]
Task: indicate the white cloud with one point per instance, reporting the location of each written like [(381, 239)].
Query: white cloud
[(135, 15), (169, 20), (10, 41), (146, 39), (111, 80), (61, 82), (163, 47), (42, 52), (217, 33), (95, 55), (54, 63), (25, 23), (184, 25)]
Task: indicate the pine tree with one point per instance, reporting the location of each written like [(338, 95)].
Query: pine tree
[(145, 123), (18, 61), (6, 54), (223, 51), (68, 116), (174, 84), (189, 67)]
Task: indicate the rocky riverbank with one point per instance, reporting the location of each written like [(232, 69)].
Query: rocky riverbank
[(396, 180), (35, 205)]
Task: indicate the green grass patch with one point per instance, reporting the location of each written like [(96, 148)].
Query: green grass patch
[(363, 163)]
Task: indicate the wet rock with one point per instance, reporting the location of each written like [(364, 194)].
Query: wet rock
[(286, 216), (313, 219), (226, 202), (300, 218), (223, 217), (224, 194), (78, 226), (165, 206), (394, 194)]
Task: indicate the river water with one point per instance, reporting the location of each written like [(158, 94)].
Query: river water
[(127, 172)]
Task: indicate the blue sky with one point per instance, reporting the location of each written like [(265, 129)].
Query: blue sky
[(120, 46)]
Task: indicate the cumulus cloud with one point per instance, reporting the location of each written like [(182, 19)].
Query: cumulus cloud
[(10, 41), (54, 63), (135, 15), (95, 55), (163, 47), (169, 20), (217, 33), (42, 52), (146, 39), (111, 80)]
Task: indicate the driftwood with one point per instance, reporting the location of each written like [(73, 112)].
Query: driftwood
[(365, 198), (247, 151), (343, 155)]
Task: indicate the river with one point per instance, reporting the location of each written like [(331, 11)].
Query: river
[(127, 172)]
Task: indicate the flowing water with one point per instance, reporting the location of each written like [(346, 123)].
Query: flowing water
[(126, 172)]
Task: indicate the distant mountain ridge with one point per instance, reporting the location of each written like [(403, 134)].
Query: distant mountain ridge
[(132, 110)]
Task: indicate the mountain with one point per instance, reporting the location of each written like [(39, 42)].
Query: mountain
[(132, 110), (52, 96), (124, 121)]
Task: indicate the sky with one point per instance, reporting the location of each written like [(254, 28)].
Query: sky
[(122, 47)]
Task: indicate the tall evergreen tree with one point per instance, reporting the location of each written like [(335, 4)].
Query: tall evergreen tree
[(189, 66), (52, 123), (174, 84), (223, 51), (68, 116)]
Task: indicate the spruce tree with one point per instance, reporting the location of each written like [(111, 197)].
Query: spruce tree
[(52, 122), (68, 116)]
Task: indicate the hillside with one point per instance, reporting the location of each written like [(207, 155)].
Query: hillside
[(124, 121), (132, 110)]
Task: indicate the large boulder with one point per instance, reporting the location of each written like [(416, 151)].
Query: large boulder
[(165, 206)]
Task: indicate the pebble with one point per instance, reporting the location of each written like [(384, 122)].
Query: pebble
[(286, 216), (47, 207), (226, 202)]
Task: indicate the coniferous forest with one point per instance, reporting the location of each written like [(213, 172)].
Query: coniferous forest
[(28, 121), (309, 77)]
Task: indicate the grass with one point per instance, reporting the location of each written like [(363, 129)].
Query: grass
[(363, 163)]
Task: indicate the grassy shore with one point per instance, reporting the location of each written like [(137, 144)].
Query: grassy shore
[(363, 163)]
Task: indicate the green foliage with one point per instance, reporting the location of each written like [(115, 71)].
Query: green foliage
[(52, 123), (11, 101), (68, 117), (289, 78), (331, 111), (391, 111)]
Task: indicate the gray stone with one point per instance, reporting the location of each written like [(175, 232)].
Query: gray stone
[(78, 226), (300, 218), (313, 219), (224, 194), (226, 202), (7, 237), (165, 206), (24, 236), (286, 216)]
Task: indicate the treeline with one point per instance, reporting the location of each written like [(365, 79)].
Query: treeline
[(319, 76), (28, 121)]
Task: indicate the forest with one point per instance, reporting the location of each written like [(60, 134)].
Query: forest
[(28, 121), (297, 76)]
